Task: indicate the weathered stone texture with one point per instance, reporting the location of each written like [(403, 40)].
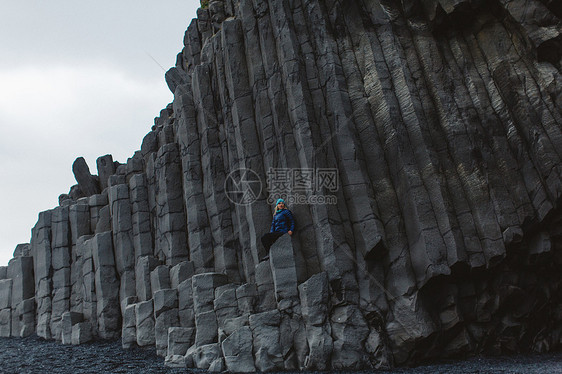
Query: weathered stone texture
[(171, 238), (425, 139), (89, 185), (141, 220), (122, 227), (144, 314), (107, 287), (41, 249)]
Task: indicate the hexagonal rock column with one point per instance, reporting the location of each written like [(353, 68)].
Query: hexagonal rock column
[(141, 220), (143, 269), (179, 341), (144, 314), (166, 316), (266, 334), (122, 228), (79, 219), (246, 295), (180, 272), (284, 273), (225, 303), (315, 299), (41, 249), (96, 203), (106, 168), (237, 350), (204, 286), (264, 282), (84, 245), (20, 271), (349, 331), (61, 260), (26, 314), (171, 238), (5, 308), (22, 250), (69, 319), (107, 287), (81, 333), (129, 327), (160, 278), (206, 328), (185, 304), (198, 225)]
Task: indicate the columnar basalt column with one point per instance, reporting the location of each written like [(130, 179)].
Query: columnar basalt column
[(61, 243)]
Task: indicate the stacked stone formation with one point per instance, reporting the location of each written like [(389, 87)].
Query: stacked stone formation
[(443, 121)]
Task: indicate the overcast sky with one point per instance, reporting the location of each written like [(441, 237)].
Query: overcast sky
[(76, 79)]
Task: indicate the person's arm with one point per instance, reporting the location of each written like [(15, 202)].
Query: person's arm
[(272, 225)]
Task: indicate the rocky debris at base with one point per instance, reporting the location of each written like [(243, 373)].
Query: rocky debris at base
[(35, 355)]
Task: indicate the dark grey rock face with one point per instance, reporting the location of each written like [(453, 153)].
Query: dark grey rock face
[(433, 130), (106, 168), (88, 184)]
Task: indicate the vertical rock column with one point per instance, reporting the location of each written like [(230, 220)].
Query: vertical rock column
[(204, 286), (332, 248), (122, 227), (97, 203), (315, 298), (79, 217), (142, 234), (223, 257), (198, 226), (84, 246), (61, 260), (166, 316), (292, 330), (165, 302), (144, 314), (247, 145), (143, 244), (20, 271), (363, 210), (172, 233), (107, 287), (41, 250), (5, 308), (106, 168)]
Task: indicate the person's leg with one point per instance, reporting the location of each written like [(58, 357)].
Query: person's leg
[(268, 239), (275, 236)]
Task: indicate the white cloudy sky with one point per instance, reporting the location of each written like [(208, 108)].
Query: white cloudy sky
[(76, 79)]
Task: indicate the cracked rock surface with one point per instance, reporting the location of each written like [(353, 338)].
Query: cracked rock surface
[(437, 235)]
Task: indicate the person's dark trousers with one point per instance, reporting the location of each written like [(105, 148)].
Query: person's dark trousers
[(268, 239)]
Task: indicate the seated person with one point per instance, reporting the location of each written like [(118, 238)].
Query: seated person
[(283, 222)]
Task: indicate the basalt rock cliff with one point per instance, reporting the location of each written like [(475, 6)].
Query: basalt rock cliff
[(418, 144)]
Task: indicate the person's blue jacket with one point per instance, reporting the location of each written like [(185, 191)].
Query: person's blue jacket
[(283, 221)]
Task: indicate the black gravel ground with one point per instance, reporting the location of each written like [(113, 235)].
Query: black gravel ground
[(35, 355)]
